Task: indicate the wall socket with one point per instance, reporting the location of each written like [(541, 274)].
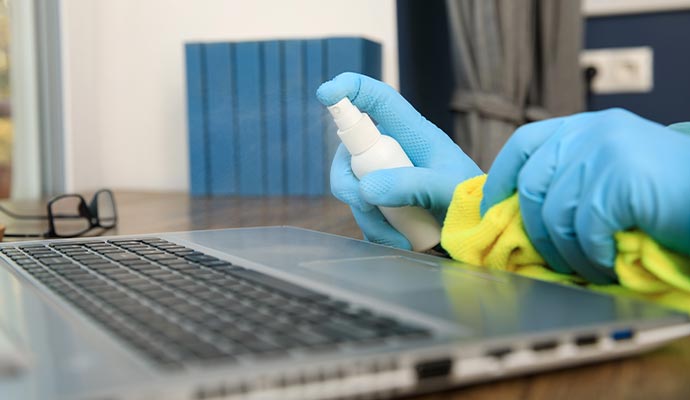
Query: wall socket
[(621, 70)]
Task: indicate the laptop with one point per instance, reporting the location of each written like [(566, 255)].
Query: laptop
[(288, 313)]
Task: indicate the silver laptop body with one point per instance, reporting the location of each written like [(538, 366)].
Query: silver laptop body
[(477, 325)]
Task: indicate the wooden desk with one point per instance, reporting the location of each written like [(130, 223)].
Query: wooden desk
[(662, 374)]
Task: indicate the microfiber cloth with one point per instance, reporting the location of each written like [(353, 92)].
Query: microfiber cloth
[(498, 240)]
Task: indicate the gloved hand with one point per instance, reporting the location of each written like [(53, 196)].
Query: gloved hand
[(439, 164), (584, 177)]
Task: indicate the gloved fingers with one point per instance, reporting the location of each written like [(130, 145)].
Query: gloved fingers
[(409, 186), (558, 213), (502, 179), (603, 211), (344, 184), (533, 184), (377, 230), (389, 109), (347, 84), (447, 157)]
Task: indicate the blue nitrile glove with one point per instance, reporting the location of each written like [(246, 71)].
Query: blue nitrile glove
[(439, 163), (582, 178)]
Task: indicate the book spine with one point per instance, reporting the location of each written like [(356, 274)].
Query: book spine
[(272, 85), (249, 134), (293, 84), (221, 119), (316, 116), (196, 120)]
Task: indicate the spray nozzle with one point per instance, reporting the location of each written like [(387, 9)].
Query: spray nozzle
[(355, 128), (345, 114)]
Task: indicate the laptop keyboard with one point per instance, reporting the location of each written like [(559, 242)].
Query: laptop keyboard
[(178, 305)]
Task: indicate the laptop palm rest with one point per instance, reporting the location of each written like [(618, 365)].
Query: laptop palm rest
[(485, 303)]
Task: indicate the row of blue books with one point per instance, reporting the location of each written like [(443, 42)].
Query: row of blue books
[(255, 125)]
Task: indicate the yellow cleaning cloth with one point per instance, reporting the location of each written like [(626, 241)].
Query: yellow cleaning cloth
[(645, 269)]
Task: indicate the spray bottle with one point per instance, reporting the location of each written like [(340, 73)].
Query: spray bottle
[(372, 151)]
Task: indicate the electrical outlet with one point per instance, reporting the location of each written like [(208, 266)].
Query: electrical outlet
[(620, 70)]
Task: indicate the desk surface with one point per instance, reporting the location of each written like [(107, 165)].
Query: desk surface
[(662, 374)]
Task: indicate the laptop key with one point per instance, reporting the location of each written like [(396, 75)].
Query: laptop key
[(134, 262), (155, 240), (174, 248), (215, 263), (148, 251), (55, 260), (160, 256), (138, 247), (121, 256), (181, 253), (26, 261), (32, 247), (124, 242), (200, 258), (174, 261), (81, 257), (143, 285)]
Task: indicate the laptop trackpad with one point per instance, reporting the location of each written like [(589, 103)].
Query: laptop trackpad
[(424, 286), (387, 274)]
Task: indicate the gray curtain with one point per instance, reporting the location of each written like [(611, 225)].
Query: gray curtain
[(515, 61)]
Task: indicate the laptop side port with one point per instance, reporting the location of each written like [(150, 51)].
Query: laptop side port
[(545, 345), (586, 340), (499, 352), (622, 335), (433, 369)]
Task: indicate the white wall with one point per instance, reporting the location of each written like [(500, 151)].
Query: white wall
[(125, 110)]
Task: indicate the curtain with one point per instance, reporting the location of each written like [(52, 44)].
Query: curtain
[(514, 61)]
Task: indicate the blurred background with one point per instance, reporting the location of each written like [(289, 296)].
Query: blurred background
[(99, 91)]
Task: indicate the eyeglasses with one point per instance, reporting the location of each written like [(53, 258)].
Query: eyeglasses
[(70, 216)]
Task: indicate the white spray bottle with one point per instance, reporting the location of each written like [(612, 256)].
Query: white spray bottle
[(372, 151)]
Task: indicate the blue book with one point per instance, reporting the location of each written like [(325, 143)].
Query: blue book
[(371, 63), (220, 116), (272, 85), (249, 116), (349, 54), (196, 120), (293, 102), (354, 55), (315, 156)]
